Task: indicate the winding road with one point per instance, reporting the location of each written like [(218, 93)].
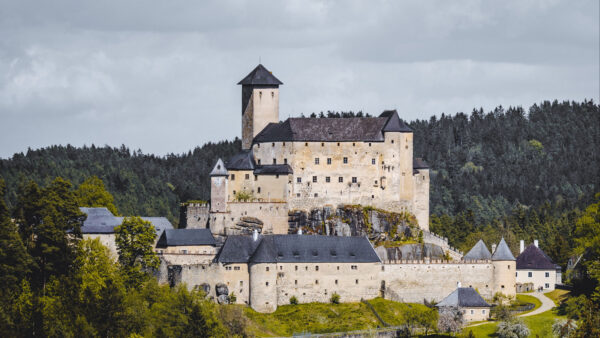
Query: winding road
[(547, 304)]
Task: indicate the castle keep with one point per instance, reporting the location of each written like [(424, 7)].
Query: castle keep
[(305, 163)]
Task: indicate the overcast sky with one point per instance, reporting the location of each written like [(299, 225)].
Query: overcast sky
[(161, 75)]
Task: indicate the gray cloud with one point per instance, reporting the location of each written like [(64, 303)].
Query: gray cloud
[(161, 75)]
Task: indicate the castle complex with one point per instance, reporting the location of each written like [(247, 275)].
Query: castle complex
[(305, 163)]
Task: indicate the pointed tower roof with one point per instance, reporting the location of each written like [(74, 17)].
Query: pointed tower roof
[(502, 252), (260, 76), (394, 123), (479, 251), (219, 169)]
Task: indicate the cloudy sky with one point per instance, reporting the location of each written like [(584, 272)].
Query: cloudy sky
[(161, 75)]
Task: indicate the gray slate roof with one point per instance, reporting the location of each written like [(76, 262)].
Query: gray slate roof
[(242, 161), (394, 124), (99, 221), (238, 249), (219, 169), (260, 76), (479, 251), (463, 297), (534, 258), (297, 249), (274, 169), (185, 237), (502, 252), (360, 129)]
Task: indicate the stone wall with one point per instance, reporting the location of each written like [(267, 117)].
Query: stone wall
[(244, 217), (195, 215), (419, 281)]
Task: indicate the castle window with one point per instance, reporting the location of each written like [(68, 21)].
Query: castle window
[(392, 141), (234, 192), (369, 144), (306, 144), (354, 180), (256, 178), (508, 267), (316, 160), (547, 286), (274, 161), (316, 195), (403, 174), (317, 268), (341, 179), (338, 144), (314, 179), (267, 284), (356, 281), (277, 176), (353, 144), (260, 94), (423, 178), (336, 282), (184, 251), (322, 144), (345, 160), (328, 160), (338, 267), (247, 176), (297, 194), (482, 311), (296, 282), (299, 179), (233, 177), (327, 179), (529, 274), (547, 274), (382, 268), (285, 161), (267, 268), (316, 281), (296, 267), (372, 161), (354, 267), (283, 144), (258, 190), (375, 182), (272, 94), (241, 283), (273, 144), (237, 268), (280, 274), (259, 161), (372, 196)]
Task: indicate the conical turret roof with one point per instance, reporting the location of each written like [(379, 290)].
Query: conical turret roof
[(260, 76), (219, 169), (478, 252), (502, 252)]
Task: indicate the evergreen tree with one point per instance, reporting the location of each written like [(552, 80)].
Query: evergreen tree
[(135, 243)]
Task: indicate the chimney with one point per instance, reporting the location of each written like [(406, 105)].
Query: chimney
[(521, 246), (255, 235), (300, 231), (493, 248), (535, 242), (457, 284)]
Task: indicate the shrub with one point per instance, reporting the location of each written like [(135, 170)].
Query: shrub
[(293, 300), (512, 329), (335, 298), (232, 298), (564, 328)]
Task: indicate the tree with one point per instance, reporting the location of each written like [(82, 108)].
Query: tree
[(92, 193), (14, 267), (135, 243), (450, 320), (587, 238), (564, 328), (512, 329)]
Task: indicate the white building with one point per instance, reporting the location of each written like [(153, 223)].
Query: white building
[(534, 266)]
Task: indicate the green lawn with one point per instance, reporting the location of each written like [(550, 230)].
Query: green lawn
[(326, 318), (311, 317), (529, 299), (557, 295), (540, 325)]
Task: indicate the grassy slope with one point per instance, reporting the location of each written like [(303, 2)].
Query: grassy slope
[(324, 318), (557, 295), (529, 299), (540, 325)]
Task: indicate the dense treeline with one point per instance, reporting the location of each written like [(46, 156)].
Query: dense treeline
[(487, 163)]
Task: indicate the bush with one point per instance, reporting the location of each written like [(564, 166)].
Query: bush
[(564, 328), (293, 300), (502, 313), (335, 298), (512, 329), (232, 298)]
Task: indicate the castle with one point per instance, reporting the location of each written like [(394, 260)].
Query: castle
[(304, 163), (299, 165)]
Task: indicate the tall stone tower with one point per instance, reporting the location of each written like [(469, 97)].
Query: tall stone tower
[(260, 103)]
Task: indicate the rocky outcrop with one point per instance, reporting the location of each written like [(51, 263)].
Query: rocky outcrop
[(411, 252), (246, 225)]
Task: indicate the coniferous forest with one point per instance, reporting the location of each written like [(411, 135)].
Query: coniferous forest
[(512, 173)]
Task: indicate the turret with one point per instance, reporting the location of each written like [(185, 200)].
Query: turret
[(260, 103), (218, 187), (505, 267)]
